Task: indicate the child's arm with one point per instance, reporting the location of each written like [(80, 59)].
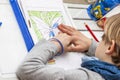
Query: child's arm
[(92, 48), (34, 67)]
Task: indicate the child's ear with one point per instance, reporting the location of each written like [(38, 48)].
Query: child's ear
[(111, 48)]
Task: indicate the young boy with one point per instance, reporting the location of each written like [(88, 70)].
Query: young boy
[(106, 65)]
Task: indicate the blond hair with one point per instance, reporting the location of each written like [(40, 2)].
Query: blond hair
[(112, 32)]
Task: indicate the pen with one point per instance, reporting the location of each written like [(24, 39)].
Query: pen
[(88, 28)]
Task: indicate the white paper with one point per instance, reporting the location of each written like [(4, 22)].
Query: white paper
[(34, 13), (68, 61)]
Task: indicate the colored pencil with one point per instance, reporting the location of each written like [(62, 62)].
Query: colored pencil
[(93, 35)]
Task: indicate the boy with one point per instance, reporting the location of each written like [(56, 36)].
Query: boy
[(106, 65)]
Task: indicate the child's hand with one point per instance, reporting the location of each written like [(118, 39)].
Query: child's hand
[(80, 42), (62, 40)]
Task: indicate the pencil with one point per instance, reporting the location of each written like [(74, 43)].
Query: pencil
[(93, 35)]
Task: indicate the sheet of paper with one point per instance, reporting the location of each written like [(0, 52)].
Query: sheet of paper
[(67, 61), (42, 16)]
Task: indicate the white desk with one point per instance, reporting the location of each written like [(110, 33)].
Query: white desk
[(76, 11), (11, 40)]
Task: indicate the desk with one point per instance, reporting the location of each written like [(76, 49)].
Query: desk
[(76, 12), (12, 43), (11, 40)]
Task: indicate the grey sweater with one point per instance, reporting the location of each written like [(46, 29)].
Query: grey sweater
[(34, 66)]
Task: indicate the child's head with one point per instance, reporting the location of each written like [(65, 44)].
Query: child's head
[(109, 48)]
